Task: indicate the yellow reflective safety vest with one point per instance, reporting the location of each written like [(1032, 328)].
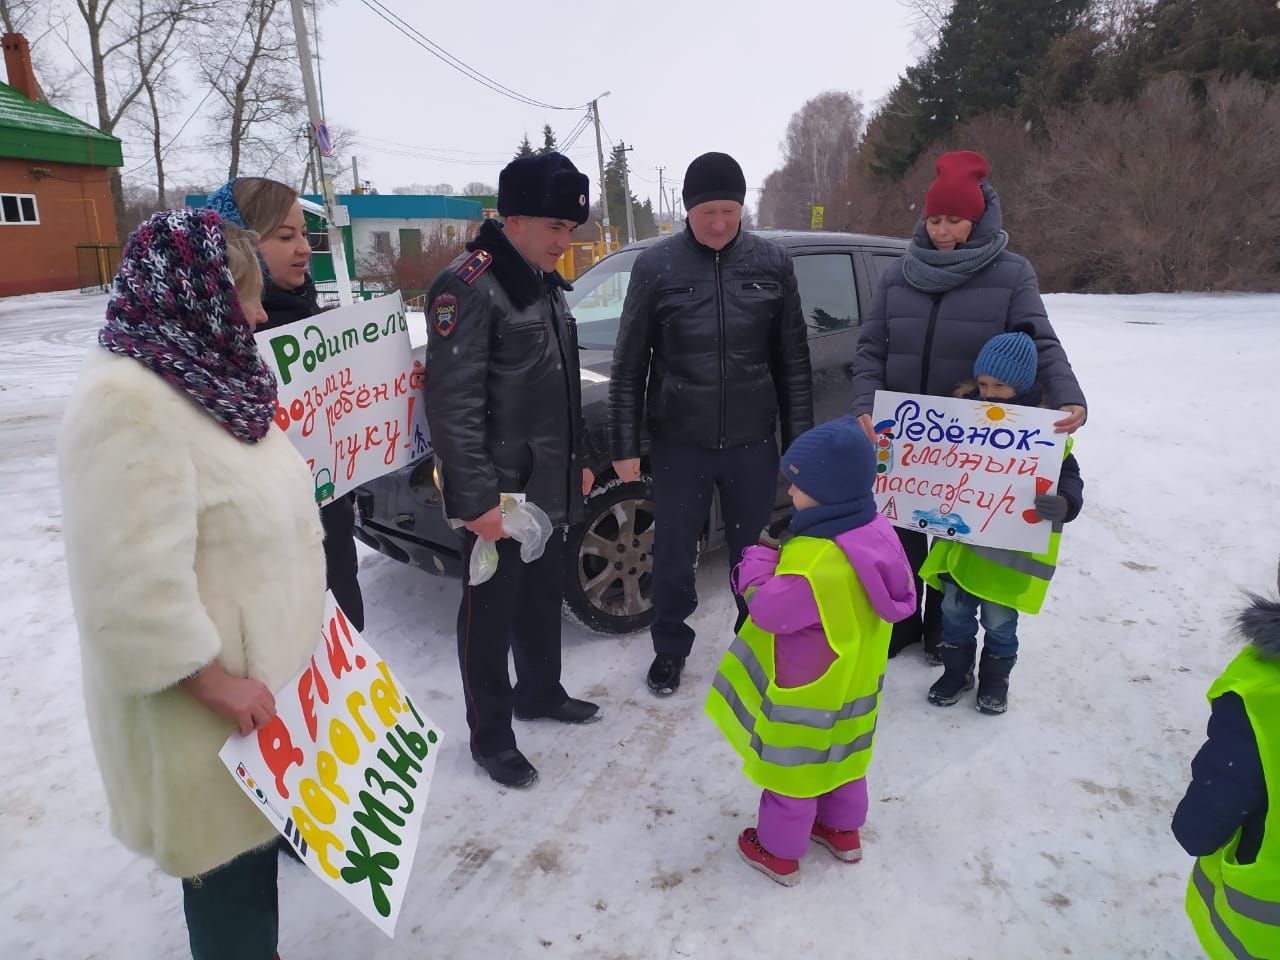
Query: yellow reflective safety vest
[(805, 741), (1013, 578), (1235, 907)]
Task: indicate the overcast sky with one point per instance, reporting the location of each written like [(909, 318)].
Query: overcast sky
[(684, 78)]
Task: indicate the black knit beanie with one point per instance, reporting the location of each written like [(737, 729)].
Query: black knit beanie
[(714, 176)]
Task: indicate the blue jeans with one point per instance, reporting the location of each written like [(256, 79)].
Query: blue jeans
[(961, 613)]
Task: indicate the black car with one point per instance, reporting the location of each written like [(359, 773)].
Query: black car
[(610, 554)]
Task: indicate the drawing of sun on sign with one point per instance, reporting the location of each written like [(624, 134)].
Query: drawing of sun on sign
[(994, 414), (967, 470)]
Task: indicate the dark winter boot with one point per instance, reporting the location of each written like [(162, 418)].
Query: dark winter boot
[(993, 683), (957, 675)]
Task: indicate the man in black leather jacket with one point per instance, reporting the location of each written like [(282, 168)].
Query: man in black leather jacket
[(503, 400), (712, 352)]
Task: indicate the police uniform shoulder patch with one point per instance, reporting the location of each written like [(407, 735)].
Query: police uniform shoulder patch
[(470, 269), (444, 313)]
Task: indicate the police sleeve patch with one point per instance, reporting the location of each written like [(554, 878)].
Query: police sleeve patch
[(444, 313), (470, 269)]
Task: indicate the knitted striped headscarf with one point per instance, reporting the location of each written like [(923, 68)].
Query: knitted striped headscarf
[(174, 308)]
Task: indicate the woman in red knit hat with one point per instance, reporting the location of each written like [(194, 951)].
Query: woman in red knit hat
[(956, 288)]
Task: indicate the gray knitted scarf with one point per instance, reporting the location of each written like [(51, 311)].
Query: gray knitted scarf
[(937, 271)]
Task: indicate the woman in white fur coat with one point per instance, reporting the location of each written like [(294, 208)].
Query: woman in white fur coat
[(196, 566)]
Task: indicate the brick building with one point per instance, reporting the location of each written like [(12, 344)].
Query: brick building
[(54, 195)]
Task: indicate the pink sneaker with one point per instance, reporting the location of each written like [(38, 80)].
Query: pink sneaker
[(845, 845), (785, 872)]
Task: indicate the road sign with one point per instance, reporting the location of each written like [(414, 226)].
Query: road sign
[(323, 140)]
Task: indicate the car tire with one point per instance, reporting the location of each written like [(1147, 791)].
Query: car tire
[(609, 560), (951, 531), (924, 524)]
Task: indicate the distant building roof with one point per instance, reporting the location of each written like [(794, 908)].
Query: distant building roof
[(405, 206), (394, 206), (36, 131)]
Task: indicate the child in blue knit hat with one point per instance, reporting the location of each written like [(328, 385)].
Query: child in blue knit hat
[(988, 586), (798, 692)]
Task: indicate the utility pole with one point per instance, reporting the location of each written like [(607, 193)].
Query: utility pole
[(355, 176), (604, 191), (335, 216), (626, 193), (660, 199)]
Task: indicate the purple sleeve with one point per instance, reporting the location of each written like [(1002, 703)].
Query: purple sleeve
[(783, 605)]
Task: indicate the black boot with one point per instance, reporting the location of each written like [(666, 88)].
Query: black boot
[(957, 675), (664, 674), (993, 683)]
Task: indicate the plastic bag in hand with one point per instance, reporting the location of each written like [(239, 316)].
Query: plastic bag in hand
[(529, 524), (484, 562)]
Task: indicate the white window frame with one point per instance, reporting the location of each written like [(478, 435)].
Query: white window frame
[(35, 204)]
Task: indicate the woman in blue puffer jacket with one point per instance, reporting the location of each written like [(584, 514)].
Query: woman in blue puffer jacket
[(956, 288)]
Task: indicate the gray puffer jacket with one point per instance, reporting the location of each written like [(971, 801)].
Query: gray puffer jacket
[(916, 342)]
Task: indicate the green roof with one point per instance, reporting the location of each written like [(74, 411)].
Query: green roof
[(37, 131)]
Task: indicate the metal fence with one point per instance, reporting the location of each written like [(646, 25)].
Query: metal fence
[(96, 265)]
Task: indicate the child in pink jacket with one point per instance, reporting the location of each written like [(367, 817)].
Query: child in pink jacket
[(832, 470)]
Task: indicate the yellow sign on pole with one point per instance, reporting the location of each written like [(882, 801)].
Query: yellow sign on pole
[(815, 219)]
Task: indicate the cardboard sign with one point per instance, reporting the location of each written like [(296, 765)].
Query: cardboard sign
[(343, 770), (350, 393), (969, 470)]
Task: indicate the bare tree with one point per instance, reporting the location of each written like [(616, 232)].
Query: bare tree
[(118, 76), (477, 189), (257, 81), (155, 57), (821, 139), (927, 18)]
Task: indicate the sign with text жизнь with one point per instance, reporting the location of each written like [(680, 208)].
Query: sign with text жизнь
[(343, 770)]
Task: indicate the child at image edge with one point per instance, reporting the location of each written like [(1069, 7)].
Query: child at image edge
[(1229, 819), (798, 691), (987, 585)]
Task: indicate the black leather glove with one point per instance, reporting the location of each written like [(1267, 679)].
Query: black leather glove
[(1051, 507), (771, 536)]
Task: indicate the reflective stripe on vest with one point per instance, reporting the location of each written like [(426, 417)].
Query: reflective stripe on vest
[(805, 741), (804, 716), (789, 756), (1017, 561), (1203, 886), (1235, 907)]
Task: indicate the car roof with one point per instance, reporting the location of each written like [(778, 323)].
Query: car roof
[(799, 238)]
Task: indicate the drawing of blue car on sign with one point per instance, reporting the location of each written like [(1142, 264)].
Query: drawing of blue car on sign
[(951, 523)]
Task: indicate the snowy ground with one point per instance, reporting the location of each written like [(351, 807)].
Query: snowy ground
[(1043, 833)]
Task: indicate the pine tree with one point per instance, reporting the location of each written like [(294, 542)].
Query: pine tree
[(646, 223), (984, 51), (525, 149), (548, 139)]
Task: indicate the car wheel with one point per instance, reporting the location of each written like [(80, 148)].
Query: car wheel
[(951, 531), (609, 560), (924, 524)]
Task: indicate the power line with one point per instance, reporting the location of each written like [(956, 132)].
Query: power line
[(191, 116), (445, 57)]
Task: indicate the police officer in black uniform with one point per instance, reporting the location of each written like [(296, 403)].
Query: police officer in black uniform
[(503, 400)]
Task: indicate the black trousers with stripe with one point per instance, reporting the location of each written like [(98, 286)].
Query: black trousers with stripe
[(516, 611)]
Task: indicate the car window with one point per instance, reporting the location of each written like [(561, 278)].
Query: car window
[(828, 296), (883, 261), (596, 300)]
